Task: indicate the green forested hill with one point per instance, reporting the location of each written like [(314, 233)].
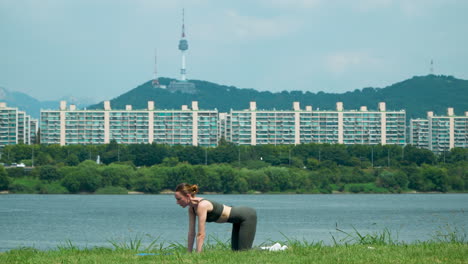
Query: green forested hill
[(417, 95)]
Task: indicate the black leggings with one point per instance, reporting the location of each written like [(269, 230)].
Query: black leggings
[(244, 225)]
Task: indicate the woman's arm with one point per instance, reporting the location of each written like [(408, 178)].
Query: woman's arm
[(201, 213), (191, 232)]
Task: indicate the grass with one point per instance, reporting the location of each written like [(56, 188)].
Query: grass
[(384, 237), (297, 253), (447, 246)]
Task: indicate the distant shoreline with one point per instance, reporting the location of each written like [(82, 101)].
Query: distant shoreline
[(168, 192)]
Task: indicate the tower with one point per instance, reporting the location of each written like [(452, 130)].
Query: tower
[(155, 81), (182, 85), (183, 46)]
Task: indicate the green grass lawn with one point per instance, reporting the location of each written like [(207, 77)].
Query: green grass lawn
[(423, 252)]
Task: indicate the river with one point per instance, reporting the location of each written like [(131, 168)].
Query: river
[(47, 221)]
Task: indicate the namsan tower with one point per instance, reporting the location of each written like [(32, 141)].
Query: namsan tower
[(183, 85), (183, 46)]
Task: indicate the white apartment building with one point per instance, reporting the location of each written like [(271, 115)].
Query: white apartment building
[(419, 133), (443, 132), (296, 126), (186, 126), (16, 126)]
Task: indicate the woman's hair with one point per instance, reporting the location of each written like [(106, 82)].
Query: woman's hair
[(186, 188)]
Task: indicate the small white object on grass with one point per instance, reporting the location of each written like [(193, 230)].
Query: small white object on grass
[(275, 247)]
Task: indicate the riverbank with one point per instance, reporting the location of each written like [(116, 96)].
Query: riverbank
[(424, 252), (123, 191)]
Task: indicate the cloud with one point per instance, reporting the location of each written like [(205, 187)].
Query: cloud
[(370, 5), (342, 62), (249, 27), (290, 4), (408, 8)]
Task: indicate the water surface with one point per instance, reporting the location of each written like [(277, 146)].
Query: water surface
[(46, 221)]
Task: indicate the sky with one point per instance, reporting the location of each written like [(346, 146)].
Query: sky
[(100, 49)]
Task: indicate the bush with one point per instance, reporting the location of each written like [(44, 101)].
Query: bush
[(49, 173), (364, 188), (146, 182), (395, 180), (4, 180), (81, 182), (16, 172), (356, 188), (24, 185), (52, 188), (111, 190)]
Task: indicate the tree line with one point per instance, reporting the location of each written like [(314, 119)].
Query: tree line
[(227, 168)]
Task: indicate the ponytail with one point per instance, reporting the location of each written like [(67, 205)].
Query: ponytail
[(186, 188)]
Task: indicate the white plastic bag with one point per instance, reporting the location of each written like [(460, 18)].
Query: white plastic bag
[(275, 247)]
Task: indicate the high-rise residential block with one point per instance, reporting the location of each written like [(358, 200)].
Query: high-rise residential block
[(16, 127), (297, 126), (419, 133), (185, 126), (440, 133)]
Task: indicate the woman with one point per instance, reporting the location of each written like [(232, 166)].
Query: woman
[(244, 219)]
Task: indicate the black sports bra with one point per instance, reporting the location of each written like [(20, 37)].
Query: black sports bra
[(214, 214)]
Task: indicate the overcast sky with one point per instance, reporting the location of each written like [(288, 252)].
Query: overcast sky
[(103, 48)]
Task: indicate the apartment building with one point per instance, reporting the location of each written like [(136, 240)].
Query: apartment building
[(296, 126), (185, 126), (16, 127), (419, 133), (440, 133)]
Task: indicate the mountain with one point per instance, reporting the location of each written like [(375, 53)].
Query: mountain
[(416, 95), (33, 106), (22, 101)]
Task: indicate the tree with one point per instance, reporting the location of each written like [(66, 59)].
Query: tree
[(116, 175), (395, 180), (80, 181), (279, 178), (4, 180), (49, 173), (83, 178), (240, 184), (257, 180), (43, 158), (227, 176), (111, 153), (146, 181), (72, 160), (457, 155), (226, 152), (212, 182), (419, 156), (436, 177), (170, 161)]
